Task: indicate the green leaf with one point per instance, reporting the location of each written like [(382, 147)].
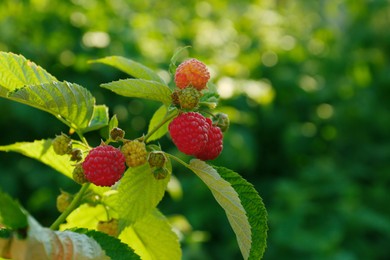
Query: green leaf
[(152, 238), (132, 68), (71, 103), (11, 214), (99, 118), (113, 247), (241, 216), (254, 207), (141, 88), (16, 72), (113, 123), (138, 193), (156, 119), (42, 150), (85, 216), (175, 57)]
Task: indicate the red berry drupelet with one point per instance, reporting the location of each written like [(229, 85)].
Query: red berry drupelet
[(189, 132), (104, 165), (214, 146), (192, 72)]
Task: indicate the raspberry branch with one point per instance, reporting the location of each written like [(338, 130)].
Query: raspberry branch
[(166, 119), (72, 206)]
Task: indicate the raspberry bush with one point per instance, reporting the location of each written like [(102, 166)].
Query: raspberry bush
[(123, 179)]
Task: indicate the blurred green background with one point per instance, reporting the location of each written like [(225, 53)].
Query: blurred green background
[(305, 83)]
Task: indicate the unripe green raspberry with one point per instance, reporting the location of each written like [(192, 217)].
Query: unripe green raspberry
[(63, 201), (222, 121), (62, 144), (109, 227), (160, 173), (188, 98), (78, 174), (117, 134), (157, 159), (134, 152), (76, 155)]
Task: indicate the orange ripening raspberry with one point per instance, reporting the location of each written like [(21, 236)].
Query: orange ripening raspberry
[(192, 73)]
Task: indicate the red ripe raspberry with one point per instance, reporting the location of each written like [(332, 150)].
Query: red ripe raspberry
[(214, 145), (189, 132), (104, 165), (192, 72)]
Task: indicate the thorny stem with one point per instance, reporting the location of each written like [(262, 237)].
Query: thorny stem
[(166, 119), (72, 206)]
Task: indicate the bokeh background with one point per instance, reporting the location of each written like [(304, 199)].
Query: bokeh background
[(305, 83)]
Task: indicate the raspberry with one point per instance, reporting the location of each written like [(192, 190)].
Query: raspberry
[(134, 152), (62, 144), (104, 165), (109, 227), (78, 174), (189, 132), (63, 201), (188, 98), (192, 72), (214, 145), (157, 159)]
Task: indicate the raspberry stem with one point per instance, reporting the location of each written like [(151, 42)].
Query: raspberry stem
[(178, 160), (166, 119), (72, 206)]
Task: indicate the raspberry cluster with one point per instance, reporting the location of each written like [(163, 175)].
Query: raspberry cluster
[(193, 134)]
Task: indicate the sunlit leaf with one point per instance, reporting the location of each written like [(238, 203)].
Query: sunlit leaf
[(228, 197), (152, 238), (71, 103), (254, 207), (157, 118), (85, 216), (99, 118), (132, 68), (11, 214), (141, 88), (42, 150), (175, 57), (16, 72), (113, 247), (138, 193)]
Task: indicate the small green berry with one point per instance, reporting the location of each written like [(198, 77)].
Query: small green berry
[(62, 144), (78, 174), (160, 173), (157, 159), (63, 201), (188, 98), (222, 121), (76, 155), (117, 134)]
